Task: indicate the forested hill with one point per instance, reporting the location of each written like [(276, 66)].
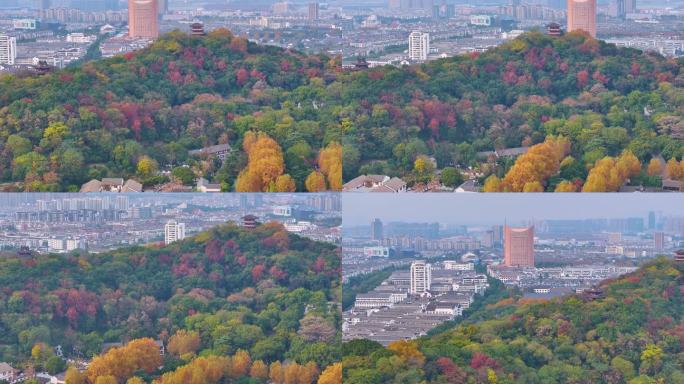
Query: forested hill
[(633, 334), (182, 93), (133, 115), (226, 292), (603, 99)]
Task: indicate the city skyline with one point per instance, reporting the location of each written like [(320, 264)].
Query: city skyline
[(486, 209)]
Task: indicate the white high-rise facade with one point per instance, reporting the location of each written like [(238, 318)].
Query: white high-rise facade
[(421, 277), (174, 231), (419, 46), (8, 49)]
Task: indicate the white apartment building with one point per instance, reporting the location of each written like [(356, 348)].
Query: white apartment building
[(8, 49), (421, 277), (419, 46), (174, 231)]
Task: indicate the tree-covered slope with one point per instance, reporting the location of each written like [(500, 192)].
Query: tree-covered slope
[(130, 115), (633, 334), (182, 93), (602, 98), (226, 291)]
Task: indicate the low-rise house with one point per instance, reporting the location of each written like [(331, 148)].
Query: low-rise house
[(468, 186), (7, 372), (375, 183), (394, 185), (498, 153), (672, 185), (132, 186), (114, 184), (203, 185), (364, 183), (219, 151)]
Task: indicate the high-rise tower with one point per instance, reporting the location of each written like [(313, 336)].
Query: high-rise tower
[(142, 18), (519, 247), (582, 16)]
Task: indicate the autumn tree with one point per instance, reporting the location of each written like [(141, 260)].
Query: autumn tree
[(452, 372), (315, 182), (122, 362), (264, 166), (276, 373), (492, 184), (285, 183), (533, 186), (674, 169), (108, 379), (330, 164), (241, 363), (423, 167), (74, 376), (408, 350), (331, 375), (566, 186), (610, 174), (534, 168), (202, 370), (184, 342), (259, 370), (147, 167), (651, 359), (655, 168)]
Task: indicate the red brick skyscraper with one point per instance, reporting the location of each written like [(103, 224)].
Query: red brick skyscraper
[(142, 18), (519, 247), (582, 15)]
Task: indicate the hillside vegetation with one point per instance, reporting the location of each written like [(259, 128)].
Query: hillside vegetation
[(633, 334), (259, 295), (136, 114)]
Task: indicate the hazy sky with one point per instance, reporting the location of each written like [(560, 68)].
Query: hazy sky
[(480, 208)]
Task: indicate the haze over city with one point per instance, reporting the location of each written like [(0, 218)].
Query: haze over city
[(495, 208)]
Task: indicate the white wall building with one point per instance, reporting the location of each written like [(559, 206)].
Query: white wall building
[(376, 251), (8, 49), (174, 231), (419, 46), (29, 24), (421, 277), (481, 20), (80, 38), (458, 266), (282, 210)]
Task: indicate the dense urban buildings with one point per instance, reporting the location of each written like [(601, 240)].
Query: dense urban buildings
[(519, 247), (142, 19), (103, 221), (582, 16)]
